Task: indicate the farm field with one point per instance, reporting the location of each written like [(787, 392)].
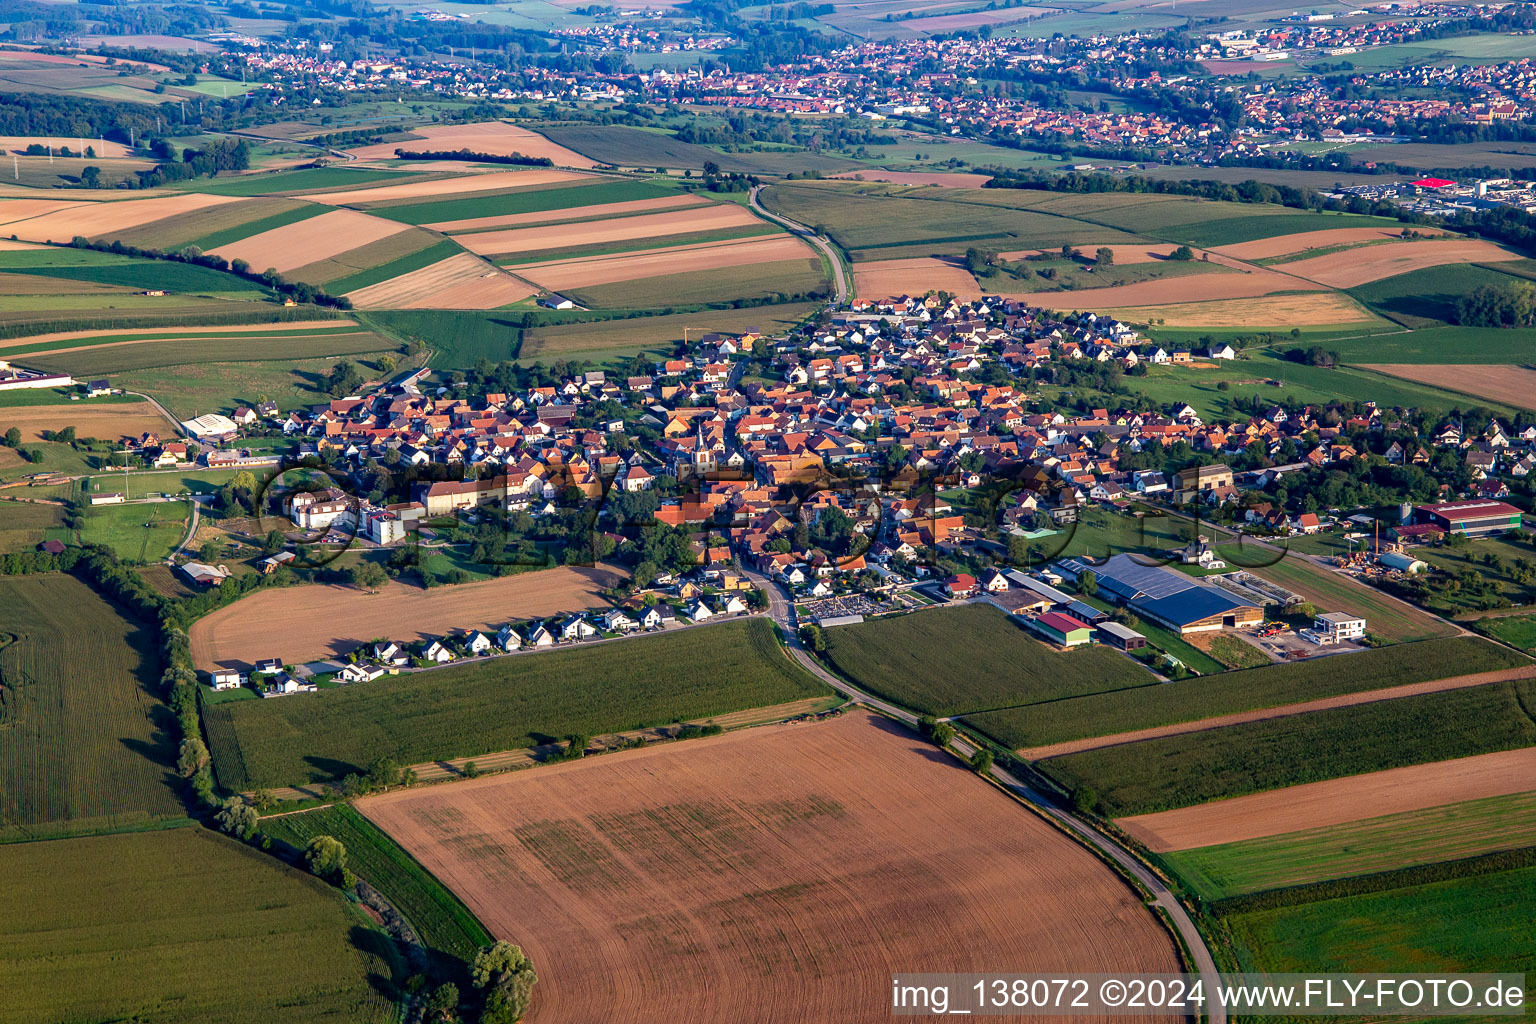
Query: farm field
[(457, 338), (24, 525), (911, 659), (1450, 831), (496, 137), (1479, 923), (1517, 630), (321, 620), (587, 272), (1273, 312), (137, 533), (110, 422), (623, 146), (1353, 267), (1288, 245), (190, 389), (358, 268), (492, 705), (462, 281), (1179, 771), (50, 265), (1336, 802), (97, 220), (550, 201), (636, 880), (918, 276), (1388, 618), (103, 356), (616, 338), (427, 187), (448, 929), (502, 241), (87, 745), (308, 241), (119, 948), (790, 280), (1185, 289), (305, 180), (622, 208), (1506, 384), (1190, 700)]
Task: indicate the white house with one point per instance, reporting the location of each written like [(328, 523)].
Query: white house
[(362, 672), (697, 611), (616, 621), (225, 679), (732, 605), (576, 628), (436, 652), (650, 619), (477, 643), (389, 653), (540, 637), (507, 638), (1221, 352)]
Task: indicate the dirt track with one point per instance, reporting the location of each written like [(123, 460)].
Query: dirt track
[(302, 623), (1337, 801), (889, 278), (107, 422), (1283, 711), (777, 874), (1512, 385)]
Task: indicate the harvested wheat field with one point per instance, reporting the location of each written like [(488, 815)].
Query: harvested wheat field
[(308, 241), (320, 620), (1512, 385), (620, 229), (97, 220), (1353, 267), (780, 873), (888, 278), (13, 210), (1284, 245), (1276, 311), (570, 213), (591, 271), (494, 181), (111, 421), (1337, 801), (1191, 288), (494, 137), (104, 150), (948, 179), (458, 282)]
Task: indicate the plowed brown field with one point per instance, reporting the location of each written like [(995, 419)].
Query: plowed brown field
[(495, 181), (776, 874), (568, 214), (94, 220), (590, 271), (888, 278), (1284, 245), (1336, 801), (307, 241), (1276, 311), (459, 282), (1353, 267), (599, 232), (1512, 385), (1190, 288), (301, 623), (109, 422), (495, 137)]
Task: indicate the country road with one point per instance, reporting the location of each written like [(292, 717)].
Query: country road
[(841, 274), (782, 610)]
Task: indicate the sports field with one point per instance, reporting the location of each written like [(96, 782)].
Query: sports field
[(159, 926), (782, 872), (86, 743), (498, 704)]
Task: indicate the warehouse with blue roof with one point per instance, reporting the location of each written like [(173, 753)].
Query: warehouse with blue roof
[(1167, 597)]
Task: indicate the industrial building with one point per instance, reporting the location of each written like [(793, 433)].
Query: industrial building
[(1334, 627), (1062, 629), (1476, 518), (1168, 598)]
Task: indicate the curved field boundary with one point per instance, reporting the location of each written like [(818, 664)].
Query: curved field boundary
[(777, 874), (496, 137), (1354, 267), (1336, 802), (1282, 711)]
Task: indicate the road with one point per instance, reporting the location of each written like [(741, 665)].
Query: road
[(840, 272), (782, 610)]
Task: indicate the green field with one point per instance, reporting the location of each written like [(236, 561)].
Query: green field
[(537, 200), (781, 279), (1480, 923), (468, 710), (161, 926), (23, 526), (1393, 841), (123, 271), (458, 338), (622, 338), (948, 661), (444, 924), (394, 268), (1177, 771), (137, 533), (177, 350), (1427, 298), (1516, 630), (308, 180), (625, 146), (526, 256), (192, 388), (1190, 700), (84, 742)]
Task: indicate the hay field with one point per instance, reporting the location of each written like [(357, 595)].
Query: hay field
[(496, 137), (1278, 311), (886, 278), (98, 220), (1247, 284), (771, 874), (948, 179), (459, 282), (1285, 245), (590, 271), (1511, 385), (311, 240), (1337, 801), (321, 620), (570, 213), (620, 229), (493, 181), (108, 422), (1353, 267)]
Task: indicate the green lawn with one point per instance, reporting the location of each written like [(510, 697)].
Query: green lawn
[(472, 709), (1290, 683), (1518, 630), (458, 338), (1177, 771), (1392, 841), (137, 533), (158, 926)]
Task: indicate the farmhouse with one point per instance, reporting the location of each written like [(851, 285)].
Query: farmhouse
[(205, 575), (1167, 597)]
